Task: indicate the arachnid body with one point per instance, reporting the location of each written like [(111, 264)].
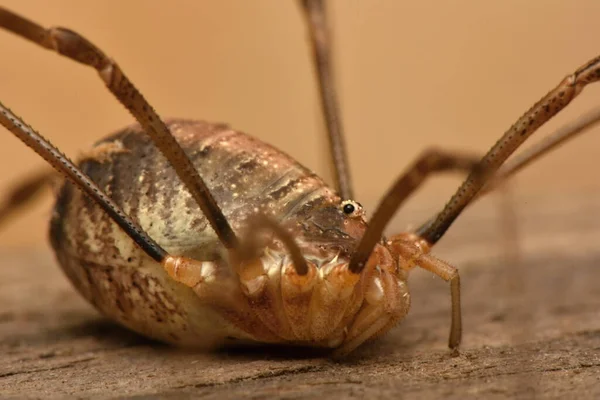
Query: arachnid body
[(246, 177), (196, 234)]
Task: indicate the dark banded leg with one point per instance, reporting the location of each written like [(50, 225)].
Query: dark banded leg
[(316, 19), (430, 162), (520, 161), (66, 167), (24, 193), (536, 116), (70, 44), (556, 139)]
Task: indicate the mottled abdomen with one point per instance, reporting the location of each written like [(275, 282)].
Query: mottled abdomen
[(245, 176)]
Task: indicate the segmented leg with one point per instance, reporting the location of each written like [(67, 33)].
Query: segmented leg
[(520, 161), (559, 137), (71, 45), (66, 167), (413, 252), (556, 139), (431, 161), (540, 113), (316, 19), (24, 193)]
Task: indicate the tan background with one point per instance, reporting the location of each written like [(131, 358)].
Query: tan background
[(412, 74)]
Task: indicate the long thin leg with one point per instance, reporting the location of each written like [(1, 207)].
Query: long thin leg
[(24, 192), (556, 139), (72, 45), (431, 161), (520, 161), (66, 167), (316, 19), (541, 112)]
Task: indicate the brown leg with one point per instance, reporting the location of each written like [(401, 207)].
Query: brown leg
[(66, 167), (316, 19), (522, 160), (70, 44), (540, 113), (431, 161), (450, 274), (413, 251), (556, 139), (24, 193), (525, 158)]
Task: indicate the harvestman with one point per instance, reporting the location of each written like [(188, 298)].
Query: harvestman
[(196, 234)]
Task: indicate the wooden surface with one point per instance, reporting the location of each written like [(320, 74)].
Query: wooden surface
[(532, 329)]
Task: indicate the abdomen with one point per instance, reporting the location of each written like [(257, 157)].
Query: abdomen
[(245, 176)]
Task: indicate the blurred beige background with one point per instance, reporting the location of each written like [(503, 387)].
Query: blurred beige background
[(411, 73)]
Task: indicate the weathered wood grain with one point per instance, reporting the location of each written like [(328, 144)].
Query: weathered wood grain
[(532, 328)]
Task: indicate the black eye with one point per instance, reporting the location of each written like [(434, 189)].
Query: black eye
[(348, 208)]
